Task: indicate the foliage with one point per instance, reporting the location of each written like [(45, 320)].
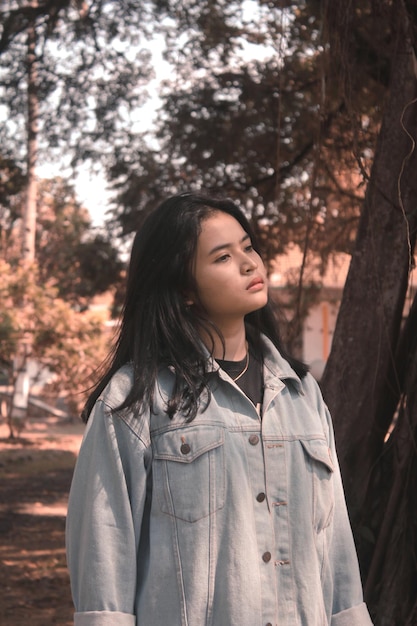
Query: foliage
[(250, 109), (68, 343), (81, 263), (91, 69), (44, 310), (253, 111)]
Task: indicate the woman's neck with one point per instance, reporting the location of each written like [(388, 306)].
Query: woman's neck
[(235, 346)]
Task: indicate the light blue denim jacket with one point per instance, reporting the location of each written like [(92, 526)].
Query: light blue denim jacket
[(229, 520)]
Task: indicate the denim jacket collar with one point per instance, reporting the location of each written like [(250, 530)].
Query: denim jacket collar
[(277, 371)]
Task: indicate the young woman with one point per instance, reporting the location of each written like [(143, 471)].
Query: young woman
[(207, 490)]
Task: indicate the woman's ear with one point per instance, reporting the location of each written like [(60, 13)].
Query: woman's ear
[(189, 298)]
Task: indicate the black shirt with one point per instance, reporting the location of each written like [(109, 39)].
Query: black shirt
[(251, 380)]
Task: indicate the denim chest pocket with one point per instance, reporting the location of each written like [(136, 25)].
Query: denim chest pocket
[(320, 465), (189, 472)]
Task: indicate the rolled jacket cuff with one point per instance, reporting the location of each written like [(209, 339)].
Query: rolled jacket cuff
[(355, 616), (104, 618)]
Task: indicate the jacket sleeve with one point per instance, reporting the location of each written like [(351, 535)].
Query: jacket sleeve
[(104, 520), (349, 608)]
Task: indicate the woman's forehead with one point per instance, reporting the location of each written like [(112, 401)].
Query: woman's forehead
[(220, 226)]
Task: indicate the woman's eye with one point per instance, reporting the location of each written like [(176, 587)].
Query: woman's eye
[(249, 248), (223, 258)]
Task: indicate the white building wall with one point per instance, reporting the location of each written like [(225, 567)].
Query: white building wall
[(318, 335)]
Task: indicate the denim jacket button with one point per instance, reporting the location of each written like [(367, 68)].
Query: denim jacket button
[(261, 497), (253, 440), (266, 557), (185, 448)]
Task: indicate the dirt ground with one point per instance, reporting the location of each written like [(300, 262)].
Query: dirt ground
[(35, 475)]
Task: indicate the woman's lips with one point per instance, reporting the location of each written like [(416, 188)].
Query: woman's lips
[(256, 284)]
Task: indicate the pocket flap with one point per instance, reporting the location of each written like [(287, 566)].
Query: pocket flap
[(184, 445), (318, 450)]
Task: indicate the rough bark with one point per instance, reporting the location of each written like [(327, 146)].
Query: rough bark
[(391, 582), (360, 378)]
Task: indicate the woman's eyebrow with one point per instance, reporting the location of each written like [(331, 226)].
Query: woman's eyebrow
[(222, 246)]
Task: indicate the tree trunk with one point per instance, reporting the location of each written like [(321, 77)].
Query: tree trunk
[(360, 381), (20, 398), (391, 584), (29, 219)]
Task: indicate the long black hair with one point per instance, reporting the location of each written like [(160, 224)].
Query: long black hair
[(158, 326)]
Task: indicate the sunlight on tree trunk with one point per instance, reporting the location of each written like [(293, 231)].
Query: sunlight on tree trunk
[(29, 221)]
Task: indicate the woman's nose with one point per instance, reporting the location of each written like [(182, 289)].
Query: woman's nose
[(249, 265)]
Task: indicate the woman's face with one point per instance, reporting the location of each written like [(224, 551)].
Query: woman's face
[(230, 276)]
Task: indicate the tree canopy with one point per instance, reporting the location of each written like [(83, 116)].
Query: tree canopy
[(91, 73), (81, 262), (69, 344), (261, 119), (251, 108), (45, 311)]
